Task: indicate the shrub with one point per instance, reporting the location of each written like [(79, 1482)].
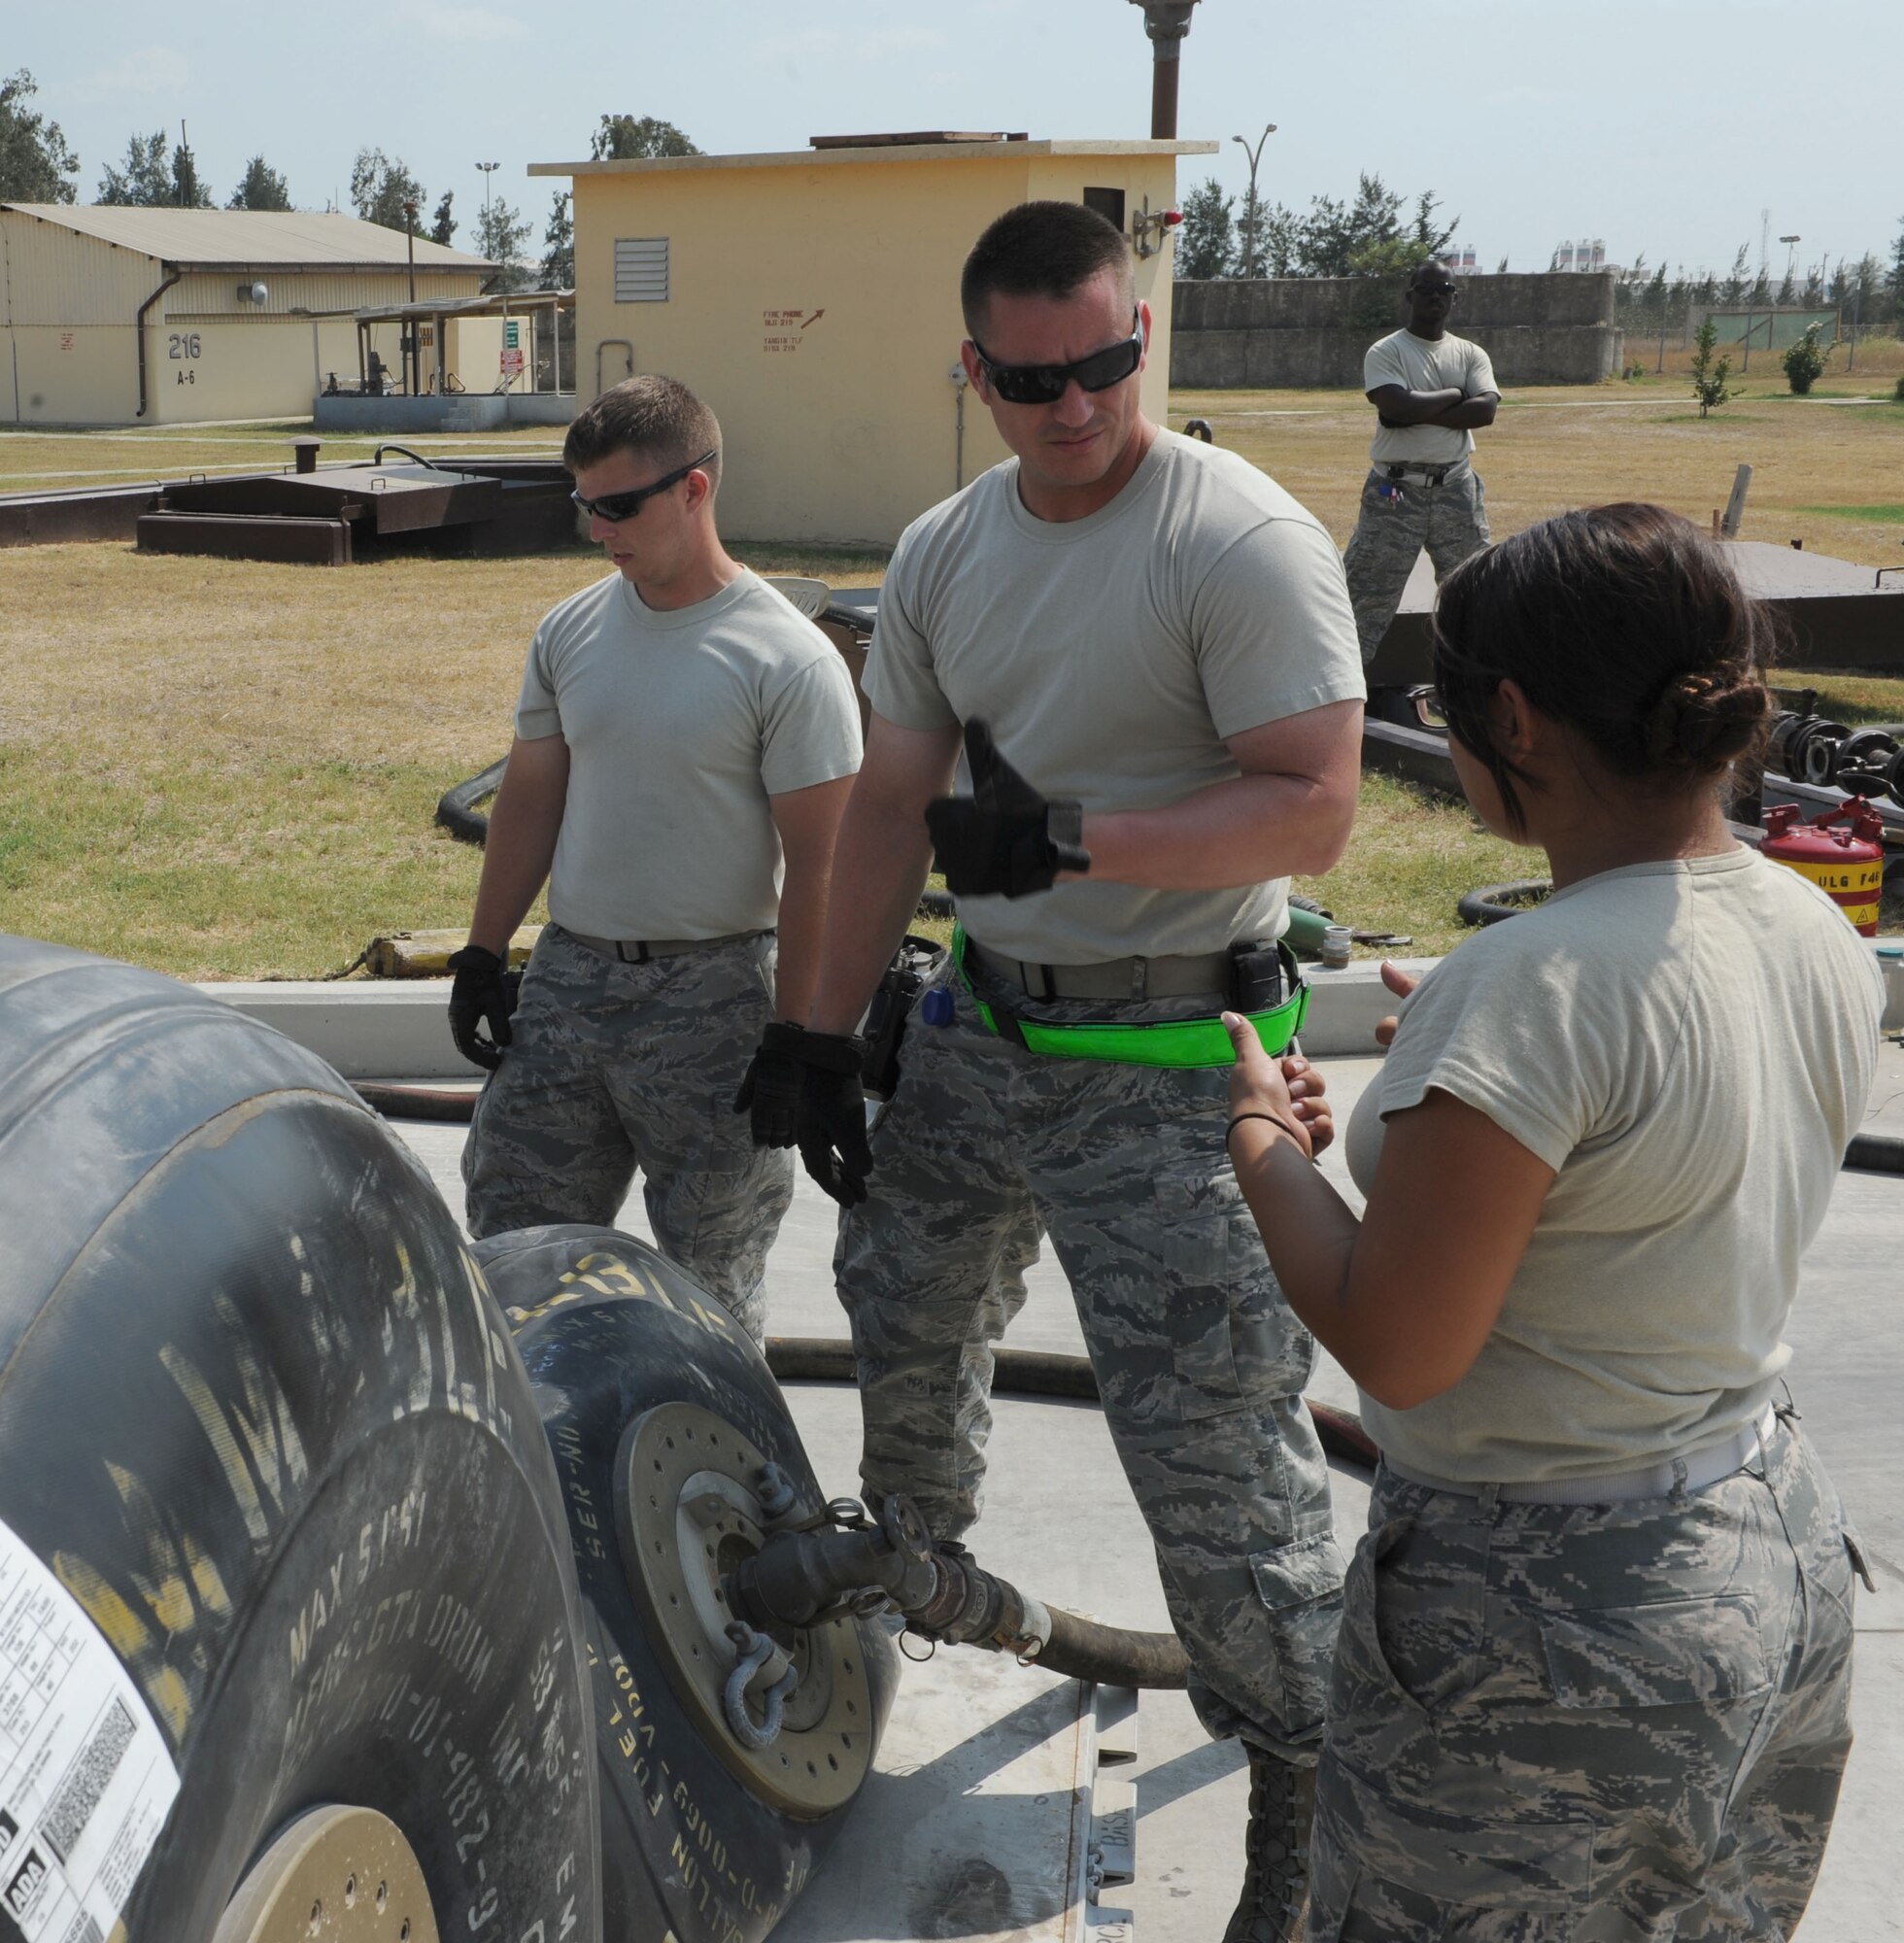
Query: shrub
[(1804, 361), (1709, 374)]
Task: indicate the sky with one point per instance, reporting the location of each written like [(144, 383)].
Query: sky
[(1668, 128)]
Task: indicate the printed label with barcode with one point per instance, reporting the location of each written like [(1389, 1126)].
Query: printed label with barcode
[(87, 1779)]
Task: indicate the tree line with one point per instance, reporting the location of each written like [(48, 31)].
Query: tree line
[(1377, 233), (1868, 293), (38, 164), (1366, 235)]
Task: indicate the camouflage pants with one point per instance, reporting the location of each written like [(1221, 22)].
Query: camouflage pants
[(1591, 1722), (1199, 1360), (616, 1066), (1398, 519)]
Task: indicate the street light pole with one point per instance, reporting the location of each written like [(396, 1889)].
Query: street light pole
[(415, 360), (1255, 155), (489, 169)]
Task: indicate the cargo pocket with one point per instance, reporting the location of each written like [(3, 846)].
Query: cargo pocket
[(1674, 1652), (1233, 1344), (1301, 1588)]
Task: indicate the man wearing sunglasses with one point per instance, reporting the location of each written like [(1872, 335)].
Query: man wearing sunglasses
[(685, 743), (1430, 389), (1147, 648)]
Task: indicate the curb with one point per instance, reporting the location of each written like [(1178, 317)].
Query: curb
[(369, 1030)]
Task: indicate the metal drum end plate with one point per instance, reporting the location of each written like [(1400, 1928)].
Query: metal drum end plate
[(689, 1512), (336, 1875)]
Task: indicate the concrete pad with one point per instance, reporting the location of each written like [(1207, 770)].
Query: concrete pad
[(1059, 1522)]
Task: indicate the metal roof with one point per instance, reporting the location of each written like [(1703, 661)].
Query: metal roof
[(249, 239), (984, 151)]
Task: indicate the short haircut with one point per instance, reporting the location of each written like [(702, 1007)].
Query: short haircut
[(1623, 624), (656, 418), (1041, 250), (1436, 266)]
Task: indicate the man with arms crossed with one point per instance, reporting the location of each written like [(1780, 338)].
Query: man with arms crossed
[(1430, 389), (1159, 637), (684, 739)]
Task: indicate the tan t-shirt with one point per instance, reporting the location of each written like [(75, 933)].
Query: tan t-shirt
[(1112, 656), (1421, 364), (1690, 1045), (680, 727)]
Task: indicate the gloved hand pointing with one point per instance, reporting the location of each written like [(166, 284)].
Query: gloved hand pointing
[(483, 993), (1004, 840)]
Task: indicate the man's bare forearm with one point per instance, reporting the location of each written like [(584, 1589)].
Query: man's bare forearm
[(1470, 414), (803, 904), (520, 848), (884, 862), (1226, 836), (1407, 408)]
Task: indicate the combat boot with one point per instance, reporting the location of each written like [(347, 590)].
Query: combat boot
[(1275, 1880)]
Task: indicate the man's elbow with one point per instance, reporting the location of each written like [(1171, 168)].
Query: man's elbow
[(1489, 406), (1332, 820)]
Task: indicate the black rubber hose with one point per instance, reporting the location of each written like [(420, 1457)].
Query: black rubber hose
[(1112, 1657), (1879, 1153), (1033, 1372), (456, 808), (1043, 1373), (1492, 902), (377, 457), (455, 1105)]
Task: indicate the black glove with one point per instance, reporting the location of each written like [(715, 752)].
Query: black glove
[(771, 1088), (1004, 840), (831, 1119), (484, 993)]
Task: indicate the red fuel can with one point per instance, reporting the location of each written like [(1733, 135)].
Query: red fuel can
[(1847, 865)]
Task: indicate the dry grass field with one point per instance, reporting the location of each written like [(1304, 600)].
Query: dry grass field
[(1828, 473), (228, 769)]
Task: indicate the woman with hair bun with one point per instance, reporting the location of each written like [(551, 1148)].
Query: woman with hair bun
[(1594, 1671)]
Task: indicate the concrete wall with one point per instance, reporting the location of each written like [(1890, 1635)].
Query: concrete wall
[(813, 303), (472, 411), (1545, 328)]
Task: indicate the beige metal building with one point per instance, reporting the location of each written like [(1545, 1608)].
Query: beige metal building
[(812, 298), (116, 316)]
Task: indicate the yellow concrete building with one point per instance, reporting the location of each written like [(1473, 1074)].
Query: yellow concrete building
[(117, 315), (812, 299)]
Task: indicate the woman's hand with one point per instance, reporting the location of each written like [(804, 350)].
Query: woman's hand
[(1401, 983), (1260, 1084), (1308, 1090)]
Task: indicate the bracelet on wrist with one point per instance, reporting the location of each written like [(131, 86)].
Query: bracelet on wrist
[(1275, 1120)]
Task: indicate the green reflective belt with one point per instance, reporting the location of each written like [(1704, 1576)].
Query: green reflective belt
[(1172, 1042)]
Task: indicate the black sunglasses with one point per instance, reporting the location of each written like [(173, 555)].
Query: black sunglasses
[(1045, 384), (615, 507)]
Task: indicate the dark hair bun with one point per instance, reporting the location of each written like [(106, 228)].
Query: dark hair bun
[(1704, 721), (1624, 623)]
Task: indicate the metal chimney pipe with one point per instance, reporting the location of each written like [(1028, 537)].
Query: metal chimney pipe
[(1166, 23)]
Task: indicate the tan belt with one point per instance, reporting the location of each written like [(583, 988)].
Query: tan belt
[(638, 950), (1204, 973), (1703, 1468)]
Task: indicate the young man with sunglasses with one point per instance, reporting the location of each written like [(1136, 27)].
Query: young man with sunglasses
[(1147, 650), (1430, 389), (685, 741)]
